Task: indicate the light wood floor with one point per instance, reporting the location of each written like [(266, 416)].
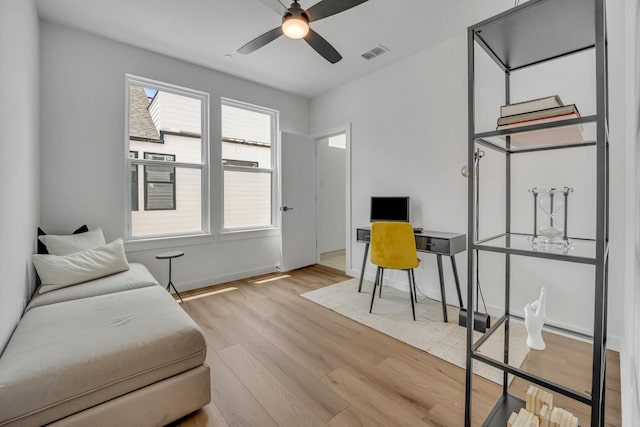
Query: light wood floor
[(278, 359)]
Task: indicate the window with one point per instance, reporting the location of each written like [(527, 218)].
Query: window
[(248, 153), (168, 136), (159, 184), (134, 182)]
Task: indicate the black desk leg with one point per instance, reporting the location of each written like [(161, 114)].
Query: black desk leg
[(442, 291), (364, 263), (455, 276)]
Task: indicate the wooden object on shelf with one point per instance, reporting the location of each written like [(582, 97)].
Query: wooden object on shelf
[(523, 418), (545, 415), (512, 419)]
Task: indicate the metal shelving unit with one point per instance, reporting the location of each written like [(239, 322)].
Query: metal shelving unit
[(527, 35)]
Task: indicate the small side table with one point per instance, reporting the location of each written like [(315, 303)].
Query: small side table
[(170, 256)]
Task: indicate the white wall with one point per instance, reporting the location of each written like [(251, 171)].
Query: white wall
[(331, 196), (409, 136), (19, 192), (630, 351), (83, 101)]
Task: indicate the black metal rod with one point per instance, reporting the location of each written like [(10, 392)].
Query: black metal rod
[(535, 213), (551, 195), (489, 332), (599, 322), (566, 213), (470, 224), (558, 388), (538, 254), (554, 147), (507, 269)]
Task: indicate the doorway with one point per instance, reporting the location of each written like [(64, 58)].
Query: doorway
[(333, 200)]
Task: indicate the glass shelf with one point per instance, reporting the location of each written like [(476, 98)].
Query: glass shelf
[(549, 368), (579, 132), (583, 251)]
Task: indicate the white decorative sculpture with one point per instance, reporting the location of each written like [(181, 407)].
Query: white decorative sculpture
[(534, 314)]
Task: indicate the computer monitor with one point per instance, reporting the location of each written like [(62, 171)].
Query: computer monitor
[(389, 209)]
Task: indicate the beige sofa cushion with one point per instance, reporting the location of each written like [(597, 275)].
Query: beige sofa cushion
[(136, 277), (66, 357)]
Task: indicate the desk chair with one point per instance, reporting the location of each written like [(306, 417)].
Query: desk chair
[(393, 245)]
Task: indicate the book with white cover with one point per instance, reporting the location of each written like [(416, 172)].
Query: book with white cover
[(531, 105)]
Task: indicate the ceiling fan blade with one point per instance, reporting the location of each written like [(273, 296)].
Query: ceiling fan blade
[(330, 7), (322, 46), (260, 41), (275, 5)]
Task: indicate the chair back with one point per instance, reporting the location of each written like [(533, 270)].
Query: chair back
[(393, 245)]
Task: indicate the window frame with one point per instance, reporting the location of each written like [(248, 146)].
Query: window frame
[(203, 166), (146, 180), (274, 170), (134, 172)]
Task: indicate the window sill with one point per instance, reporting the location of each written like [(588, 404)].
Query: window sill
[(135, 245), (229, 235)]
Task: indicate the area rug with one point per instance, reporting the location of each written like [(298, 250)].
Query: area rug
[(392, 316)]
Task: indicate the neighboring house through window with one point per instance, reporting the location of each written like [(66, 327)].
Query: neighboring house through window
[(159, 184), (249, 165), (168, 137)]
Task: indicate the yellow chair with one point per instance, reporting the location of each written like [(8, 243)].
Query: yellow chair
[(393, 245)]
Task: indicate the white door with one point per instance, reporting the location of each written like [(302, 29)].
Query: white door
[(298, 208)]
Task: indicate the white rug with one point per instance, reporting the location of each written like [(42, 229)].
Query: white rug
[(392, 316)]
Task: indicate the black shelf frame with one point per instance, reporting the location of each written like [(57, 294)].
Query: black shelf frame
[(532, 33)]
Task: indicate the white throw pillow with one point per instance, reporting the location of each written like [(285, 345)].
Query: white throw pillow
[(61, 271), (65, 245)]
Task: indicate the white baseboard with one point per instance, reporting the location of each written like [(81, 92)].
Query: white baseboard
[(201, 283), (613, 342)]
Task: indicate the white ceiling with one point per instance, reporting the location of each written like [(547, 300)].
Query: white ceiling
[(204, 31)]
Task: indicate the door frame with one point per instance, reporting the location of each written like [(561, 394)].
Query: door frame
[(346, 129)]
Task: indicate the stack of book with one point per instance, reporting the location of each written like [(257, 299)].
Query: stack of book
[(537, 111)]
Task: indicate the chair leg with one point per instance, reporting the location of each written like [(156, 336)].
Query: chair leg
[(381, 277), (375, 283), (411, 293), (413, 280)]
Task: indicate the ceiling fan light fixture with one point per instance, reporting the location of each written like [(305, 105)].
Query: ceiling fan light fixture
[(295, 26)]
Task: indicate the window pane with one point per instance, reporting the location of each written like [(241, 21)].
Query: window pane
[(247, 199), (185, 214), (246, 136), (159, 196), (166, 126), (159, 173), (165, 123)]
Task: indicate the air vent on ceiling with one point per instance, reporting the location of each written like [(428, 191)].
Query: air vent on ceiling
[(375, 52)]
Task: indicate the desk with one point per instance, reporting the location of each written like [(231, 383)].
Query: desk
[(432, 242)]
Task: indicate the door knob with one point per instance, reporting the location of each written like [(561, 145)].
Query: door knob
[(286, 208)]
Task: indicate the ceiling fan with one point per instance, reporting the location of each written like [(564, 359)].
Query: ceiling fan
[(295, 25)]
